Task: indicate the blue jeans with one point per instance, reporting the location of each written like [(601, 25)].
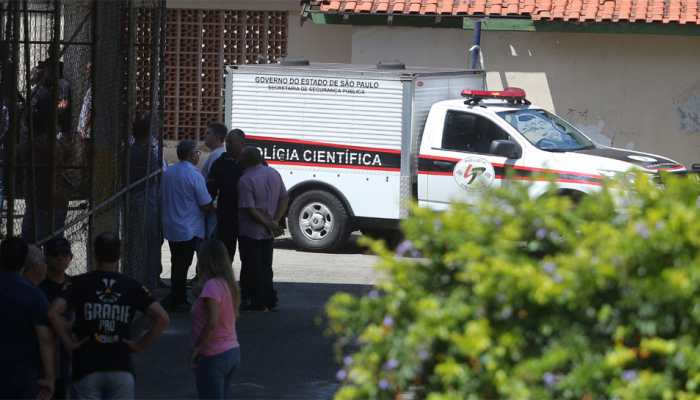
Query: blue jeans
[(214, 374), (105, 385)]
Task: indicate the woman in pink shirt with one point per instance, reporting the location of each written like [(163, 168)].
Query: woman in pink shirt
[(216, 353)]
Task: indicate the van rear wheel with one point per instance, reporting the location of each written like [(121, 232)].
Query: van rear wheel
[(318, 221)]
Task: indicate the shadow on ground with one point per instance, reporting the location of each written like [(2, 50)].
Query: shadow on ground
[(285, 354), (351, 247)]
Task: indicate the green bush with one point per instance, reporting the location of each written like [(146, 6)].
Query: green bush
[(523, 298)]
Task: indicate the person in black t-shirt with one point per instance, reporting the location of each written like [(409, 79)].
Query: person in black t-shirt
[(105, 303), (222, 183), (59, 255)]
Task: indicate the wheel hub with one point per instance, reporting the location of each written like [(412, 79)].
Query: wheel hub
[(316, 221)]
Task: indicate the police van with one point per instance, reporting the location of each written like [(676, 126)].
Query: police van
[(356, 143)]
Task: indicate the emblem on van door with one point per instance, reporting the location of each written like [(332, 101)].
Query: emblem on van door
[(474, 173)]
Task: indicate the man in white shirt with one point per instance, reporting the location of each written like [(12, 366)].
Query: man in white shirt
[(185, 202), (214, 140)]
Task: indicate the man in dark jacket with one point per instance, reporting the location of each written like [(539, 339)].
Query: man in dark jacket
[(222, 184)]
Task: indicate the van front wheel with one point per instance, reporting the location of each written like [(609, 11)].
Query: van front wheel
[(318, 221)]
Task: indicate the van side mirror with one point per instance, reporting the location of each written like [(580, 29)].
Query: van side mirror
[(506, 148), (695, 167)]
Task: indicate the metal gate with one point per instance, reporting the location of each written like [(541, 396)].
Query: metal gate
[(65, 127)]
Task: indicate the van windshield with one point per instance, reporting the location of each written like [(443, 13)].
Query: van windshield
[(547, 131)]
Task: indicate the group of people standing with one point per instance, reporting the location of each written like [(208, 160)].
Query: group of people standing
[(72, 336), (235, 198)]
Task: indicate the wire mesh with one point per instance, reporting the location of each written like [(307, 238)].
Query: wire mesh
[(57, 180)]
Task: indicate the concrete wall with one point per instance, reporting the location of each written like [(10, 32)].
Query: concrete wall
[(633, 91)]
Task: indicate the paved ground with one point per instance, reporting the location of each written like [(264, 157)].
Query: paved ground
[(285, 354)]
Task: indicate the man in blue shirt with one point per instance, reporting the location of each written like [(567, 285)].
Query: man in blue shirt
[(185, 202), (26, 342)]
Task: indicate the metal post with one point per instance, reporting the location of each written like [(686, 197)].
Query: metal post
[(476, 48), (14, 123), (131, 112), (30, 125), (53, 114), (107, 111)]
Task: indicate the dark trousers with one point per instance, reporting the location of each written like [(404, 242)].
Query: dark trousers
[(256, 272), (181, 255), (228, 234)]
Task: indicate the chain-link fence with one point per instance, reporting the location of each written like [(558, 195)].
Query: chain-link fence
[(71, 73)]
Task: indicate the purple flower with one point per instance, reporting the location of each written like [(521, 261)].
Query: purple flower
[(388, 321), (541, 233), (373, 294), (347, 361), (549, 267), (642, 230), (391, 364), (341, 375), (557, 278), (384, 384), (629, 375), (406, 249), (660, 225), (497, 221), (423, 355), (549, 379)]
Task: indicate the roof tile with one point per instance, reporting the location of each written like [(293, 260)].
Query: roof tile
[(666, 11)]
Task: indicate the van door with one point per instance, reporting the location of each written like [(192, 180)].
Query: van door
[(460, 166)]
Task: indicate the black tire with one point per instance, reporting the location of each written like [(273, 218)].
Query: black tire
[(318, 221)]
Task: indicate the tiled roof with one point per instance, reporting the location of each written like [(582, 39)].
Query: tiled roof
[(642, 11)]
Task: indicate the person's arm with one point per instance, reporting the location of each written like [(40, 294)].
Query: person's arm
[(206, 204), (211, 308), (260, 217), (282, 205), (61, 326), (46, 350), (159, 322), (213, 180)]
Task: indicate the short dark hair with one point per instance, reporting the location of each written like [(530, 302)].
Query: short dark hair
[(57, 246), (238, 132), (142, 126), (13, 253), (218, 129), (185, 149), (107, 247), (250, 156)]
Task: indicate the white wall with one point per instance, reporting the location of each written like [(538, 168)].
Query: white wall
[(634, 91)]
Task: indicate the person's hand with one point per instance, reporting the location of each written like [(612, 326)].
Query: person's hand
[(45, 389), (194, 356), (133, 345), (62, 104), (274, 228), (74, 344)]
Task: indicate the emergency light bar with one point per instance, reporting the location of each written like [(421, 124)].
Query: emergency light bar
[(512, 95)]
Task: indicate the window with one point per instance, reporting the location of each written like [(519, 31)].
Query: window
[(546, 131), (470, 132)]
